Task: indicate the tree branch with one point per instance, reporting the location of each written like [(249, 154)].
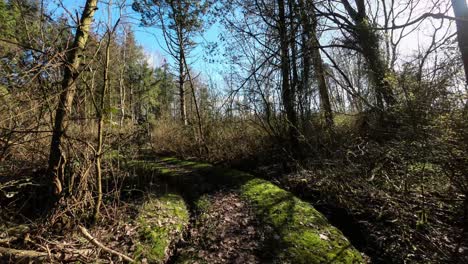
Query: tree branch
[(93, 241)]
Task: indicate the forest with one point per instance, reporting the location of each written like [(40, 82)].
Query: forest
[(234, 131)]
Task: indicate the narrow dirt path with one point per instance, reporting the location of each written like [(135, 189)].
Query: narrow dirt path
[(225, 231)]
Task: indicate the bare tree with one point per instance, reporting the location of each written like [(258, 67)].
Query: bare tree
[(71, 71), (368, 43), (287, 92), (312, 54)]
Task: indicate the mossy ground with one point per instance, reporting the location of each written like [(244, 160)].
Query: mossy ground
[(161, 222), (301, 233)]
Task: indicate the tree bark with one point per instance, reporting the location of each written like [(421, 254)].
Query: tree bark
[(309, 21), (203, 146), (460, 9), (369, 44), (286, 92), (100, 123), (66, 97), (122, 83), (183, 106), (292, 44), (182, 68), (23, 254), (132, 107)]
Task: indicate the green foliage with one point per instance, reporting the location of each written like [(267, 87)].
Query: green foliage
[(146, 89), (8, 18), (166, 90), (153, 89), (186, 14), (21, 22)]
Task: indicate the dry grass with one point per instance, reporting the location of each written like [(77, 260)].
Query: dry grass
[(225, 140)]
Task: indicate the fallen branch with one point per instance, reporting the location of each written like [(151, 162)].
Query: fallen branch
[(68, 255), (93, 241), (22, 253), (7, 240)]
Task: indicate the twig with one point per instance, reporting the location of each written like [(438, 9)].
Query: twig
[(93, 241), (7, 240), (22, 253)]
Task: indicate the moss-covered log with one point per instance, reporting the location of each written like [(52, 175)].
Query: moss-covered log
[(161, 222)]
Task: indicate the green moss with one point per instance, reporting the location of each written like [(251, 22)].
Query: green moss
[(148, 167), (164, 170), (203, 203), (169, 159), (152, 166), (186, 163), (303, 234), (420, 167), (201, 166), (189, 164), (113, 155), (161, 222), (236, 177), (342, 120)]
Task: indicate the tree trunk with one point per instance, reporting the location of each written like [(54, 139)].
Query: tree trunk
[(122, 99), (305, 80), (309, 21), (322, 85), (460, 9), (121, 84), (292, 43), (202, 142), (100, 123), (369, 44), (183, 106), (287, 93), (56, 160), (303, 89), (182, 69), (131, 106)]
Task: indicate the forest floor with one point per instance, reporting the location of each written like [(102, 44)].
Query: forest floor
[(199, 213), (383, 223), (226, 232), (237, 218), (213, 221)]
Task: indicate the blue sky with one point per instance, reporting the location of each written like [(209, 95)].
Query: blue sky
[(150, 39), (153, 43)]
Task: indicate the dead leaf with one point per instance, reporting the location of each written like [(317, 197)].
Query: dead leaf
[(323, 237)]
